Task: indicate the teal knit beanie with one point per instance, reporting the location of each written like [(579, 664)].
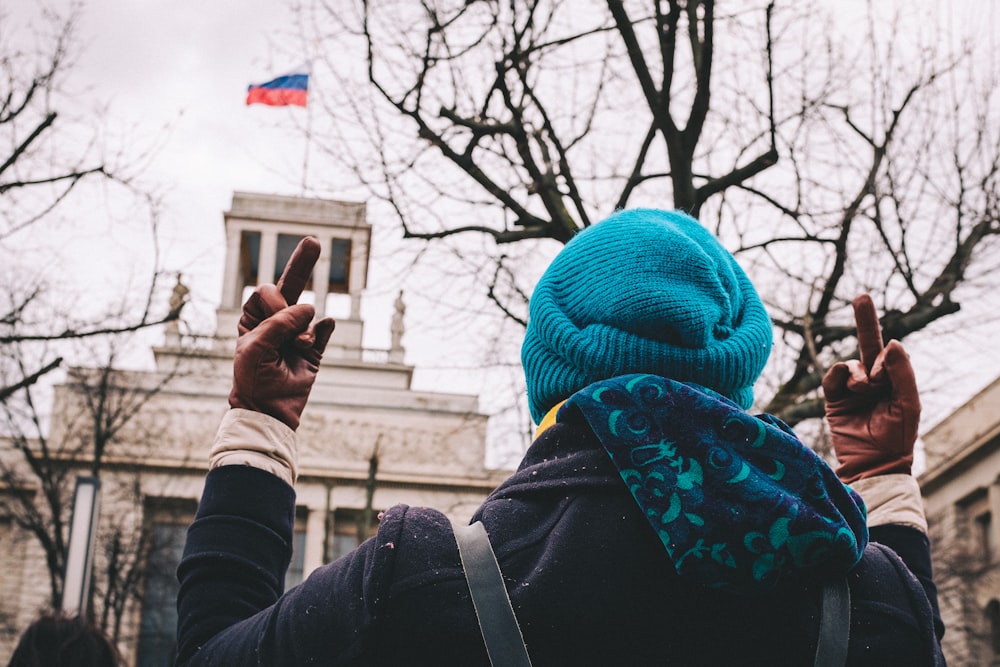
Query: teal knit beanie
[(644, 291)]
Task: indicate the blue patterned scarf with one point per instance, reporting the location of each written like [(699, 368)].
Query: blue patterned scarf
[(738, 501)]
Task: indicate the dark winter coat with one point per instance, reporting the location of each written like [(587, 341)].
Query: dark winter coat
[(589, 580)]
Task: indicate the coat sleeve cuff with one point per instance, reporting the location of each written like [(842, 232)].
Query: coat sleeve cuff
[(257, 440), (892, 499)]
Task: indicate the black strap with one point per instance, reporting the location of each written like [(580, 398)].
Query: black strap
[(504, 643), (834, 625)]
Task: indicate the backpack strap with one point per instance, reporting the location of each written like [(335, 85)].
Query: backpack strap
[(505, 644), (497, 622), (834, 625)]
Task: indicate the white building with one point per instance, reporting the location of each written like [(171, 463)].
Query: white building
[(367, 439), (961, 490)]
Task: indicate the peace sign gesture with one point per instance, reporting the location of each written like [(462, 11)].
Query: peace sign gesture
[(278, 351), (872, 404)]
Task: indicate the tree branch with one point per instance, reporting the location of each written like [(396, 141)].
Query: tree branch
[(29, 380), (88, 333)]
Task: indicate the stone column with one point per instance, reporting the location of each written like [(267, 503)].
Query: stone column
[(268, 257), (315, 536), (232, 290), (358, 267), (321, 276)]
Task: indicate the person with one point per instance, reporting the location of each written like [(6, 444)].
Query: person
[(58, 640), (652, 520)]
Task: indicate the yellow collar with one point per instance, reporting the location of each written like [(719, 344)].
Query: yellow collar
[(548, 420)]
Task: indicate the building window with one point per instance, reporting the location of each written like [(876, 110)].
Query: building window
[(980, 531), (296, 567), (249, 258), (348, 529), (157, 645), (286, 246), (993, 626), (977, 528), (340, 265), (985, 535), (340, 261), (158, 626), (338, 279)]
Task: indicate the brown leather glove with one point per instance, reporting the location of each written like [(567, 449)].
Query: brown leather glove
[(278, 351), (872, 405)]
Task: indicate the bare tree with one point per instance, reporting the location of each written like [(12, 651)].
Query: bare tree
[(900, 204), (833, 154), (44, 455), (124, 565), (56, 158), (36, 175), (46, 158)]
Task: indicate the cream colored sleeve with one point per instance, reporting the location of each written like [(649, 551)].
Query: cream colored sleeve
[(892, 499), (258, 440)]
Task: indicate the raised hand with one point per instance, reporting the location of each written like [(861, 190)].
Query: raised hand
[(278, 351), (872, 404)]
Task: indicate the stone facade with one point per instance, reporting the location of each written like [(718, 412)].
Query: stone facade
[(366, 434), (961, 490)]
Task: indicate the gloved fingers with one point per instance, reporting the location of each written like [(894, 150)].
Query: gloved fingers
[(299, 269), (323, 329), (312, 343), (869, 331), (835, 382), (850, 381), (286, 324), (265, 301), (899, 372), (305, 340), (865, 381), (268, 299)]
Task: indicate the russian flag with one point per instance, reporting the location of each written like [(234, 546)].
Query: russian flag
[(287, 89)]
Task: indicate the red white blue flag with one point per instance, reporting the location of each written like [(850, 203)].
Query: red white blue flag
[(286, 89)]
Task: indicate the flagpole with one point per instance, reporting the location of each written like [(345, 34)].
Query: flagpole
[(305, 156)]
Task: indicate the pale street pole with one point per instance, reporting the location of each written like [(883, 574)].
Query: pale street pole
[(82, 539)]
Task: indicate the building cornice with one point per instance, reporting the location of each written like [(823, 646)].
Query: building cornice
[(960, 462)]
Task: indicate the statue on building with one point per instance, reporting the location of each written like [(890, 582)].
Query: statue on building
[(178, 298), (397, 329)]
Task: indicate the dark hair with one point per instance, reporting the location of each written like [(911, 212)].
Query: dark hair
[(56, 640)]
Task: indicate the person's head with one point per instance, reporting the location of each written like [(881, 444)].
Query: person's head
[(56, 640), (644, 291)]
